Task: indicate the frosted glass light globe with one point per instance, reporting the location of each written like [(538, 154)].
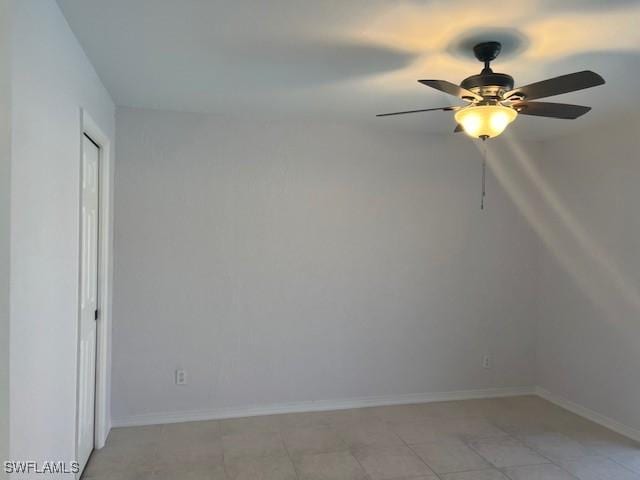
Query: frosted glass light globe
[(485, 121)]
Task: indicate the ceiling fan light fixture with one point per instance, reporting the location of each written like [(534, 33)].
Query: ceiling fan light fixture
[(485, 121)]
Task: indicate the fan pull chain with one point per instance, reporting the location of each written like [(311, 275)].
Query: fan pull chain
[(484, 193), (484, 173)]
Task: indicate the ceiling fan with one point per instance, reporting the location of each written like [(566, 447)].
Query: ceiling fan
[(494, 103)]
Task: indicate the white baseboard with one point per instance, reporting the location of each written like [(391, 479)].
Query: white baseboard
[(315, 406), (325, 405), (589, 414)]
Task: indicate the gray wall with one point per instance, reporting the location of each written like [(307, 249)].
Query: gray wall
[(292, 261), (51, 80), (5, 200), (589, 328)]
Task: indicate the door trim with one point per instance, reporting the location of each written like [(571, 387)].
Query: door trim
[(105, 262)]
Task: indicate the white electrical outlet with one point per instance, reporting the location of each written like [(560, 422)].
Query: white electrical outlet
[(486, 361), (181, 377)]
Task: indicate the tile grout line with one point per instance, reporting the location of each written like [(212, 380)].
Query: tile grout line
[(538, 452), (512, 437), (224, 463), (286, 449), (622, 465), (556, 461), (413, 451), (350, 451)]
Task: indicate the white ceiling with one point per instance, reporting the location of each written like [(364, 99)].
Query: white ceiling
[(351, 59)]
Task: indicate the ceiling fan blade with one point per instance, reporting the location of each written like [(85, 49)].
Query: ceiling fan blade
[(451, 89), (553, 110), (458, 129), (417, 111), (558, 85)]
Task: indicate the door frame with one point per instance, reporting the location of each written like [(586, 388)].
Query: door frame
[(102, 415)]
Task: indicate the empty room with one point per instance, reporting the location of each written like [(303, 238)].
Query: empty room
[(319, 240)]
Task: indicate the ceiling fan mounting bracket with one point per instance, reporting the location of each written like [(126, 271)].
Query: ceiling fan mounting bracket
[(487, 51)]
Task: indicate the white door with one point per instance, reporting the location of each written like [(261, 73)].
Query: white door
[(88, 299)]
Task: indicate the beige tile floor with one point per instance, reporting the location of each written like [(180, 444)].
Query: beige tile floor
[(518, 438)]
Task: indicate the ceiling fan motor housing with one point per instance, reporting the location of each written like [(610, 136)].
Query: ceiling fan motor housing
[(489, 84)]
